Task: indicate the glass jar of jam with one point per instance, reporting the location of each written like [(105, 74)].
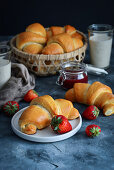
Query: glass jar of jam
[(72, 72)]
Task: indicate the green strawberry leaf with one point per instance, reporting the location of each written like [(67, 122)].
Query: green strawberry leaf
[(56, 128), (35, 92), (95, 131), (95, 112)]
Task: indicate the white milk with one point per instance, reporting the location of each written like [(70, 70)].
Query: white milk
[(5, 71), (100, 50)]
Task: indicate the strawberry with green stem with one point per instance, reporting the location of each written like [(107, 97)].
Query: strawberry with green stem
[(30, 95), (93, 130), (10, 108), (91, 112), (60, 124)]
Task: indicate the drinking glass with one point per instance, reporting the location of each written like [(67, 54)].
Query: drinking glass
[(100, 43), (5, 64)]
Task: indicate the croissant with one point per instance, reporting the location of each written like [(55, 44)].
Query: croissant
[(41, 110), (62, 43), (32, 40), (77, 35), (55, 30), (96, 94)]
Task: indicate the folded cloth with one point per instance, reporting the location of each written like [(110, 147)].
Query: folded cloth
[(20, 82)]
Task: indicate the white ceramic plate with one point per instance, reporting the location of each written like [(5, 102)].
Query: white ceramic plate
[(47, 134)]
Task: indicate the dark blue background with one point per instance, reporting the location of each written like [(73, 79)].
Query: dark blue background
[(76, 153), (16, 15)]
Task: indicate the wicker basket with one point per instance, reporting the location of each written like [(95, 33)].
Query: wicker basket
[(43, 65)]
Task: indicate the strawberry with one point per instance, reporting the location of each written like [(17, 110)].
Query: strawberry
[(60, 124), (91, 112), (10, 108), (93, 130), (30, 95)]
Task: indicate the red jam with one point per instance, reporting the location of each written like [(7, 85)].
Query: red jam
[(69, 76)]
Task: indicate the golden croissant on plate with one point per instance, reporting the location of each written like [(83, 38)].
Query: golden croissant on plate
[(97, 94), (41, 110)]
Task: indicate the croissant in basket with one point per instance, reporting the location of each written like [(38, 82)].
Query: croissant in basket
[(41, 110), (62, 43), (55, 30), (96, 94), (32, 40), (43, 55)]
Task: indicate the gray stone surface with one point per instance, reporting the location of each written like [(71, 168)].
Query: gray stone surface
[(77, 153)]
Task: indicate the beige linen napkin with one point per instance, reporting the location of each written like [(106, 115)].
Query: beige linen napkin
[(20, 82)]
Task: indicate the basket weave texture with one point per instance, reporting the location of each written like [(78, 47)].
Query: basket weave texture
[(43, 65)]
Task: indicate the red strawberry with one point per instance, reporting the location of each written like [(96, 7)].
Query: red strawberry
[(30, 95), (60, 124), (93, 130), (91, 112), (10, 108)]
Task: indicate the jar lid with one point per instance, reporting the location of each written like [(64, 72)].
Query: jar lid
[(73, 67)]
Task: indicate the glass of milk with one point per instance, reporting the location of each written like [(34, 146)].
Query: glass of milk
[(5, 64), (100, 43)]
